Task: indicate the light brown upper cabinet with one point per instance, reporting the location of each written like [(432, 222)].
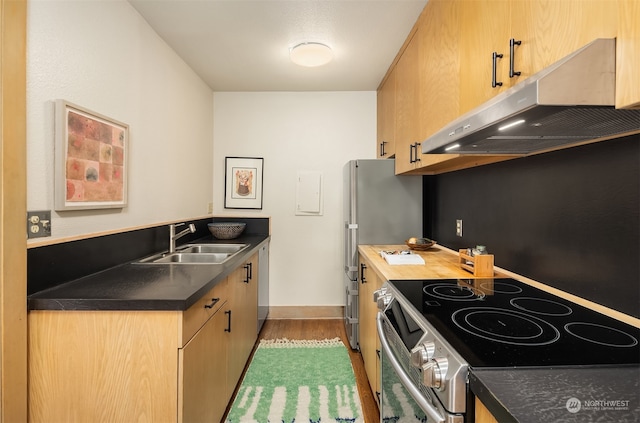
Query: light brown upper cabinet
[(448, 66), (551, 30), (485, 31), (628, 55), (439, 62), (387, 117), (427, 85), (526, 36), (407, 132)]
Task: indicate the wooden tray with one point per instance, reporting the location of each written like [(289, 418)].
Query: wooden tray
[(480, 265)]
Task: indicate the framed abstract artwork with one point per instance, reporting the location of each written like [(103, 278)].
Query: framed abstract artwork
[(243, 182), (91, 152)]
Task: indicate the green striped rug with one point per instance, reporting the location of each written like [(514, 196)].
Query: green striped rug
[(298, 381)]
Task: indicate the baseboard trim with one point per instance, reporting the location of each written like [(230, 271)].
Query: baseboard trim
[(305, 312)]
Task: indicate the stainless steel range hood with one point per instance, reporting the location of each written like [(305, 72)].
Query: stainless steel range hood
[(570, 102)]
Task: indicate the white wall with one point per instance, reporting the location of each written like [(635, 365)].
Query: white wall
[(310, 131), (103, 56)]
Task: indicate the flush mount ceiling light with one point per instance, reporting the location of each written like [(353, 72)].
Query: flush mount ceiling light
[(311, 54)]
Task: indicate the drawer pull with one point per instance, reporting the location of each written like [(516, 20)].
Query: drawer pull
[(228, 313), (213, 302)]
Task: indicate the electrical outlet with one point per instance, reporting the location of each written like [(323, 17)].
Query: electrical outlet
[(459, 227), (210, 208), (38, 224)]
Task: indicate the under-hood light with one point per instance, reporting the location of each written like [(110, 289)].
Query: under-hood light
[(509, 125), (451, 147)]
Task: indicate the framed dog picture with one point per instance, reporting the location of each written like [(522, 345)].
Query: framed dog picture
[(243, 182)]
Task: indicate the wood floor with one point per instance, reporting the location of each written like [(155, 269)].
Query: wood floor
[(326, 329)]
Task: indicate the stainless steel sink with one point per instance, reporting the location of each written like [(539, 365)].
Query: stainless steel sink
[(212, 248), (197, 254)]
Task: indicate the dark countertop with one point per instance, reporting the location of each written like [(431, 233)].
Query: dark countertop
[(582, 394), (135, 286)]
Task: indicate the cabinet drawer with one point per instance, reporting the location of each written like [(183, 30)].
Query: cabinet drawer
[(198, 314)]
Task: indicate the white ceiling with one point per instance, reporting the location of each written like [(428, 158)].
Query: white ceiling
[(243, 45)]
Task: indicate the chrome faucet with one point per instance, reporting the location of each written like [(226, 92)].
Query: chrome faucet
[(173, 236)]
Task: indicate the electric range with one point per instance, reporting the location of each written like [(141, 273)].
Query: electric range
[(434, 330)]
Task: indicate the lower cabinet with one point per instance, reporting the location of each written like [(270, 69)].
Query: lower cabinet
[(243, 285), (483, 415), (369, 342), (205, 389), (143, 366)]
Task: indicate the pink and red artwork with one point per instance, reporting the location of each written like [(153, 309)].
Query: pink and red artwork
[(94, 161)]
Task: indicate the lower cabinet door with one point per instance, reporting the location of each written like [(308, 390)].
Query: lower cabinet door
[(204, 394)]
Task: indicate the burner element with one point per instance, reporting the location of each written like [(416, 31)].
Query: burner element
[(506, 326), (602, 335), (541, 306), (501, 287), (451, 292)]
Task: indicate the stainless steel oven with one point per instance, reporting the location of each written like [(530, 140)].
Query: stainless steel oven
[(405, 397), (433, 332)]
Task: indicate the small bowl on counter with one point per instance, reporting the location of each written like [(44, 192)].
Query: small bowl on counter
[(420, 244), (226, 230)]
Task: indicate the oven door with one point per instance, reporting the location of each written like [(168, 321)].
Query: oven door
[(401, 399)]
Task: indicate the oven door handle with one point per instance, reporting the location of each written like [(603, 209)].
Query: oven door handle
[(429, 409)]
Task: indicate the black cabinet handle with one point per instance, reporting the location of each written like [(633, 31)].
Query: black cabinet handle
[(249, 275), (413, 152), (382, 152), (494, 83), (378, 353), (362, 269), (212, 303), (512, 44), (228, 313)]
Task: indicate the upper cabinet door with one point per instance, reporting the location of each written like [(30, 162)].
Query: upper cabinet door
[(407, 104), (439, 65), (484, 27), (551, 30), (387, 117), (628, 55)]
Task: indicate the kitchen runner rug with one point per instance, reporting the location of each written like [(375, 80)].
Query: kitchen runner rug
[(298, 381)]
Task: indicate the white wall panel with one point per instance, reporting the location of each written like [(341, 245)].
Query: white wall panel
[(310, 131)]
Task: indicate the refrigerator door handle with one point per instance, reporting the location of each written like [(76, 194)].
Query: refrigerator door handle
[(350, 246)]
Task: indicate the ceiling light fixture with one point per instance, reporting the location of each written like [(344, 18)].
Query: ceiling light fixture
[(311, 54)]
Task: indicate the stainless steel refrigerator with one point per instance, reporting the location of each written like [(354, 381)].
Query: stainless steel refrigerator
[(379, 208)]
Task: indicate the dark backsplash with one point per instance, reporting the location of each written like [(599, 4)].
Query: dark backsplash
[(52, 265), (569, 219)]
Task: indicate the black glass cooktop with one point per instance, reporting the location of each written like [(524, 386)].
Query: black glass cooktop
[(505, 323)]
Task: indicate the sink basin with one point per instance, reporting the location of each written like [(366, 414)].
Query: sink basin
[(197, 254), (193, 258), (213, 248), (188, 258)]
